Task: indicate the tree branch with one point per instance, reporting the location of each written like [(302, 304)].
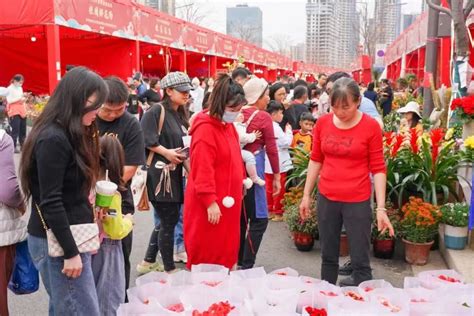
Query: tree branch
[(468, 9), (438, 8)]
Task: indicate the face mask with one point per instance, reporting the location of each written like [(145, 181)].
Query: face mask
[(229, 117), (17, 84)]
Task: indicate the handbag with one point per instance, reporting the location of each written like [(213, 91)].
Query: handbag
[(25, 277), (86, 237), (138, 186)]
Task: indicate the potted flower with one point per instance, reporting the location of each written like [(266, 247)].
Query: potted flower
[(455, 216), (303, 231), (464, 110), (383, 243), (418, 228)]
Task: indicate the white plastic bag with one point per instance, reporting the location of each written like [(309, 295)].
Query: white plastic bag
[(154, 276), (146, 292), (434, 279), (180, 278), (270, 302), (132, 309), (254, 273), (371, 285), (390, 301), (411, 282), (201, 297), (211, 279), (277, 282), (421, 301), (355, 293), (326, 292), (204, 267), (345, 306), (285, 272), (170, 300)]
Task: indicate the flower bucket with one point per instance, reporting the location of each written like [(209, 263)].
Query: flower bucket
[(303, 241), (384, 249), (417, 253), (455, 237)]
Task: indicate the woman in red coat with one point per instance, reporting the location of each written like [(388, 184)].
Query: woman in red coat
[(213, 196)]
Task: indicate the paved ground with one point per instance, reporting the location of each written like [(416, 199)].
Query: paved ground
[(277, 251)]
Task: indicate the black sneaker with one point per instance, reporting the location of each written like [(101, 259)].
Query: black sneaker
[(346, 268)]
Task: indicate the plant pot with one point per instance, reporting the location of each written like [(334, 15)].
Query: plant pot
[(303, 241), (344, 246), (384, 249), (455, 237), (417, 253)]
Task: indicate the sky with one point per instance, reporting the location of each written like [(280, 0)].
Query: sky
[(279, 16)]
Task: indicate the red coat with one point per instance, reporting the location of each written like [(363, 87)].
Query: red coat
[(216, 172)]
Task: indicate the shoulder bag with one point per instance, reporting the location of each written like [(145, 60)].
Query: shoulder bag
[(139, 188), (86, 237)]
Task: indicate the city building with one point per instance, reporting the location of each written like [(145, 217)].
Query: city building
[(387, 20), (297, 51), (332, 32), (408, 20), (166, 6), (245, 22)]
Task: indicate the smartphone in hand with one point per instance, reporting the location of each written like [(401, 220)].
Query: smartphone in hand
[(184, 151)]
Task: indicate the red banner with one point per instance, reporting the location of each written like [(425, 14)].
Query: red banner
[(197, 39), (26, 12), (102, 16), (226, 46), (160, 29)]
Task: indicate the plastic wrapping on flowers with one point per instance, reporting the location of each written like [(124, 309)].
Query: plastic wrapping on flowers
[(284, 292)]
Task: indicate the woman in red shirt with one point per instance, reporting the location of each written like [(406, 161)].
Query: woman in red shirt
[(347, 149)]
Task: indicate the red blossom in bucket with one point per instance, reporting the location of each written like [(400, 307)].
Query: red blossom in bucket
[(216, 309), (414, 140), (448, 279), (313, 311)]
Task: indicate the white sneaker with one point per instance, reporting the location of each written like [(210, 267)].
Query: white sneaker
[(180, 257), (259, 181), (248, 183)]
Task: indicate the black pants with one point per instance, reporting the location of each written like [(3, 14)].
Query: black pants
[(127, 250), (357, 219), (251, 232), (18, 125), (386, 108), (162, 237)]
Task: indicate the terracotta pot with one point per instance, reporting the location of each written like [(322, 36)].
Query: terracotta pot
[(384, 249), (344, 246), (303, 241), (417, 253)]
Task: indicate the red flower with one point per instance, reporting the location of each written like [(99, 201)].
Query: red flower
[(396, 146), (436, 136), (178, 308), (448, 279), (217, 309), (313, 311), (456, 103), (414, 140), (388, 138)]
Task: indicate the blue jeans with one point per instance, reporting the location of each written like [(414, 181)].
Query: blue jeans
[(67, 296), (178, 231), (109, 275)]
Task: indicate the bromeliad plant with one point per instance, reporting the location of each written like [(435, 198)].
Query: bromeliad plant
[(427, 164), (420, 221)]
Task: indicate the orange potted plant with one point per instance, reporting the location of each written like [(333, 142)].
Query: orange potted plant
[(418, 228)]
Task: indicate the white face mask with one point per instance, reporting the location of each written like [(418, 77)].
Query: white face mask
[(229, 117)]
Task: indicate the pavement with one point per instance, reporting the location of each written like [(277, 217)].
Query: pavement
[(277, 251)]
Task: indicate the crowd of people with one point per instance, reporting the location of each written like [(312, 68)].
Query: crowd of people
[(216, 154)]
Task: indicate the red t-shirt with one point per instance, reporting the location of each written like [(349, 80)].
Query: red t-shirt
[(348, 157)]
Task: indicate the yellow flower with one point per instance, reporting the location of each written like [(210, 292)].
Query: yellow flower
[(449, 134), (469, 142)]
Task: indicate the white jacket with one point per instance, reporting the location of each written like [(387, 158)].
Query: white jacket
[(283, 140), (12, 226)]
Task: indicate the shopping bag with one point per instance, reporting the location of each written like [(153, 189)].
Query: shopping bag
[(146, 293), (285, 272), (154, 276), (346, 306), (390, 301), (170, 300), (204, 267), (324, 293), (25, 277), (434, 279), (422, 301), (411, 282), (270, 302), (136, 308), (371, 285), (210, 279)]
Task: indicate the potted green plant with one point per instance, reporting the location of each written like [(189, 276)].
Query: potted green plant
[(418, 228), (303, 231), (455, 217), (383, 243)]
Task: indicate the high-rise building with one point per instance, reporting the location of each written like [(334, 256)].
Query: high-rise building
[(245, 22), (408, 20), (387, 19), (332, 32), (166, 6), (297, 51)]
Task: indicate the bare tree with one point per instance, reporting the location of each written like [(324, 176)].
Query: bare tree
[(244, 31), (191, 11), (280, 43), (459, 15), (368, 31)]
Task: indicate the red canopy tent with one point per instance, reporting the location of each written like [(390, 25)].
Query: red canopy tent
[(40, 37)]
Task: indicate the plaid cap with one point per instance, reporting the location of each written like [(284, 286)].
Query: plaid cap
[(177, 80)]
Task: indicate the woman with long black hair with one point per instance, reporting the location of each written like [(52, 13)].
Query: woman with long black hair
[(165, 173), (59, 166)]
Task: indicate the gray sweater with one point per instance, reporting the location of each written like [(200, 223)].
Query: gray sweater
[(10, 193)]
